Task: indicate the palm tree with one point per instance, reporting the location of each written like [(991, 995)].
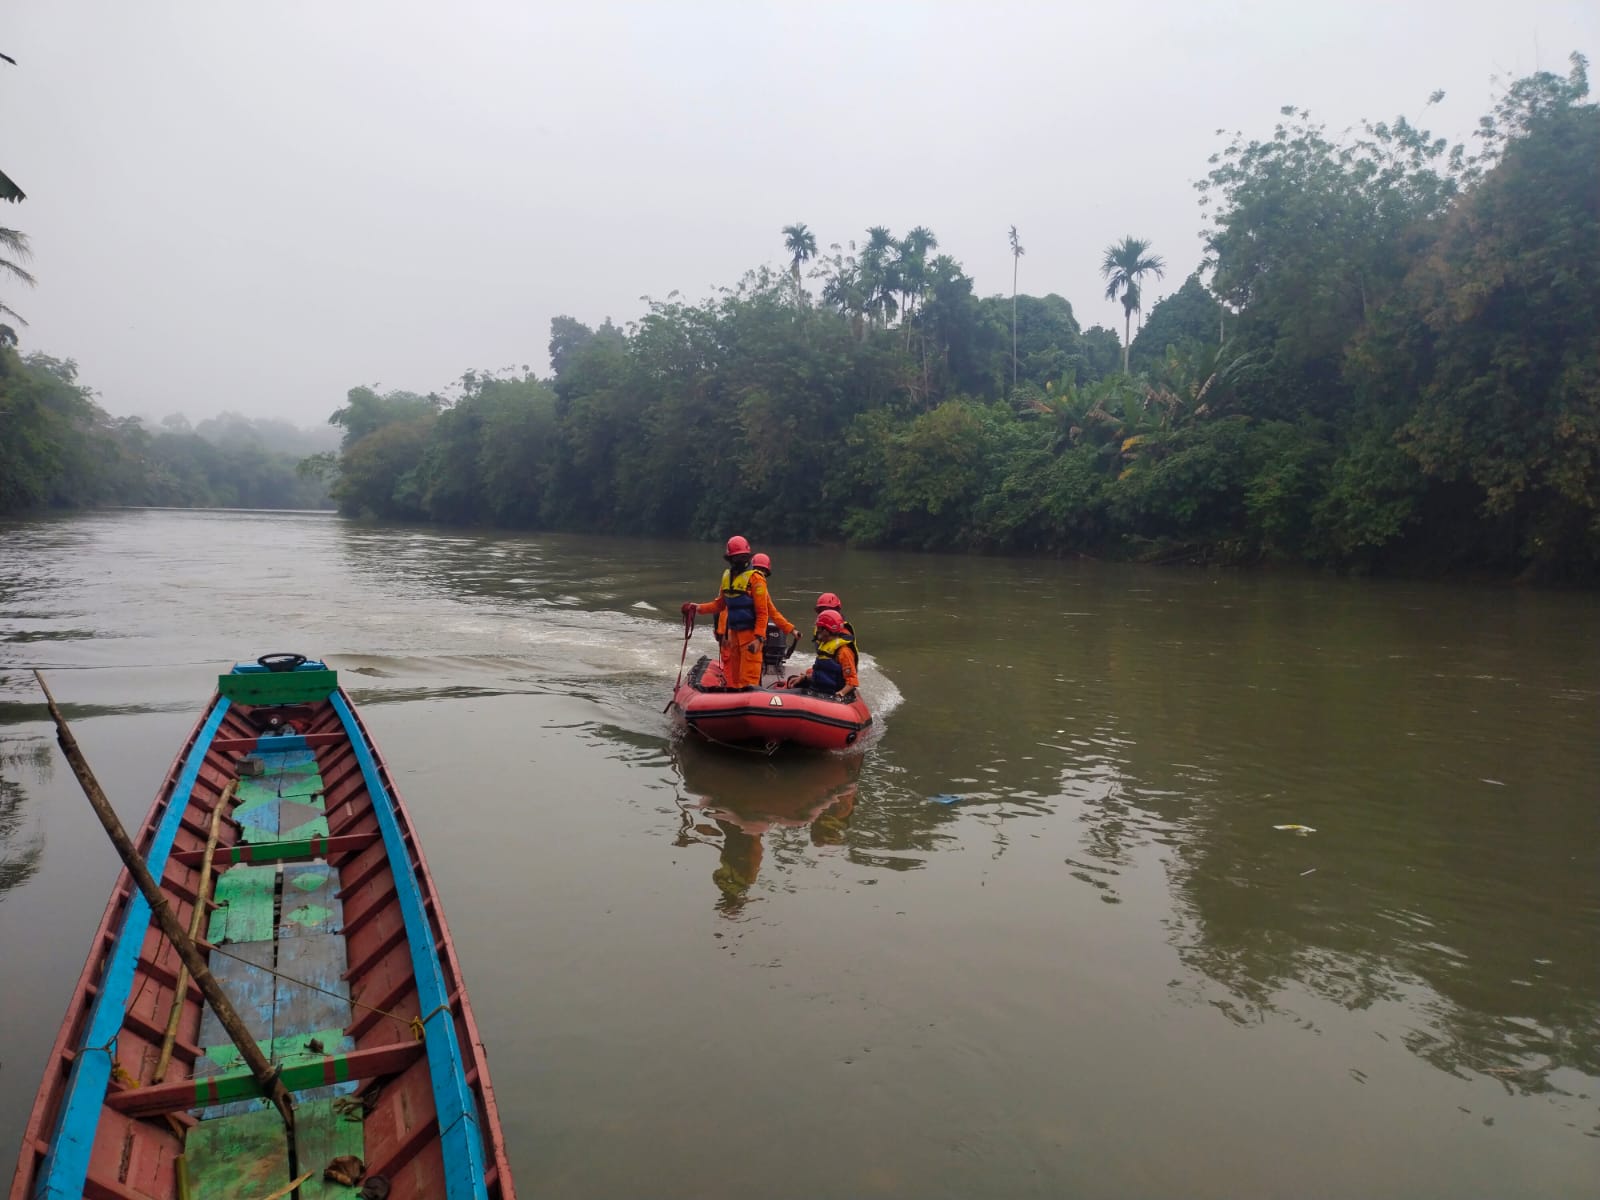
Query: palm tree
[(1016, 260), (1126, 263), (801, 244), (13, 252), (842, 288), (880, 272), (914, 267)]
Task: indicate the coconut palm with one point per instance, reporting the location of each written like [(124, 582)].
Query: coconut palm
[(842, 287), (13, 253), (880, 272), (1126, 264), (801, 244), (914, 267)]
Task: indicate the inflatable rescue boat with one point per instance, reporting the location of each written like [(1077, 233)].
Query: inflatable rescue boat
[(767, 716)]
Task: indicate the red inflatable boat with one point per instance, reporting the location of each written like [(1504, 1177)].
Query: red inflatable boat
[(767, 716)]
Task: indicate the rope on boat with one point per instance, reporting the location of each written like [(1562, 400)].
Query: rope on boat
[(415, 1024)]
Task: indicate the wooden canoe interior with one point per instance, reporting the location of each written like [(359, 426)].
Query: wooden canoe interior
[(311, 947)]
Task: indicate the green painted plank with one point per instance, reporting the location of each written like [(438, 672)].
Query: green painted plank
[(271, 852), (252, 792), (237, 1090), (323, 1136), (278, 687), (292, 1051), (259, 822), (303, 1072), (286, 760), (243, 1156), (298, 781), (238, 1156), (315, 827), (310, 903), (245, 896)]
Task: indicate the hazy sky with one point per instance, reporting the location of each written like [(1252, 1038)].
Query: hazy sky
[(256, 206)]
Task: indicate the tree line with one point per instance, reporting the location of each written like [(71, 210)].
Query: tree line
[(1390, 363), (1387, 362), (60, 449)]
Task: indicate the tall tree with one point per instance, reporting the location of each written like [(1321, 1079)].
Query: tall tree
[(914, 249), (880, 270), (1126, 264), (1016, 260), (13, 253), (801, 244)]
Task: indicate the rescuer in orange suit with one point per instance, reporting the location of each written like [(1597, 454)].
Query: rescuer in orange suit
[(834, 672), (775, 654), (763, 564), (742, 609)]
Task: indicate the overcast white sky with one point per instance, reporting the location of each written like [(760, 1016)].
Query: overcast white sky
[(256, 206)]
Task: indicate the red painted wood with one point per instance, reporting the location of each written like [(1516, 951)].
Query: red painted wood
[(325, 847), (160, 1098), (235, 745)]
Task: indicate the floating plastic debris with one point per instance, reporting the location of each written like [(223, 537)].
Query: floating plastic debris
[(944, 798), (1302, 830)]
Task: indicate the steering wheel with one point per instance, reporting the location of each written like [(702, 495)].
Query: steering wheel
[(281, 662)]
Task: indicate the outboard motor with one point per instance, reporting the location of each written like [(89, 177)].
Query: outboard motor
[(776, 649)]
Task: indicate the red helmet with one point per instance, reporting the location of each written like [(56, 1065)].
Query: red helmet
[(736, 545), (828, 600), (830, 620), (762, 562)]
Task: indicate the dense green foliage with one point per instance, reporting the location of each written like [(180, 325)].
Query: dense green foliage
[(59, 449), (1395, 366)]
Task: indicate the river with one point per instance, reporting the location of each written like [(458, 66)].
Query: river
[(1040, 937)]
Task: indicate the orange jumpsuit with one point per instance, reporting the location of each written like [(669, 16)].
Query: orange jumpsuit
[(774, 617), (741, 648), (778, 619)]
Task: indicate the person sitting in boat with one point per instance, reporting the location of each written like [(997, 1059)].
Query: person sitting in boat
[(742, 611), (828, 600), (834, 672)]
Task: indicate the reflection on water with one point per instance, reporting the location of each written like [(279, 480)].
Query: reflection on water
[(21, 845), (1056, 858), (749, 797)]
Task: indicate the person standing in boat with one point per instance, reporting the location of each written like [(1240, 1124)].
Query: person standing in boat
[(762, 564), (834, 672), (742, 611)]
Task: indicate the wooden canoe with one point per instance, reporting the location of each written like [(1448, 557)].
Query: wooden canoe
[(326, 932)]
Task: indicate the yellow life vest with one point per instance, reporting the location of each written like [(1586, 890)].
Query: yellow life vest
[(739, 604), (827, 673)]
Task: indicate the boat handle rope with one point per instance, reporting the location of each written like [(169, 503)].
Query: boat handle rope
[(415, 1024), (118, 1072)]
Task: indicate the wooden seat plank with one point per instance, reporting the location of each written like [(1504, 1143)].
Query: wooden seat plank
[(246, 902)]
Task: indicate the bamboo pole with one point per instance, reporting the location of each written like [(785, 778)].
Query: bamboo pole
[(266, 1075), (289, 1187), (201, 891)]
